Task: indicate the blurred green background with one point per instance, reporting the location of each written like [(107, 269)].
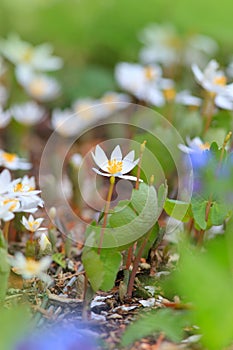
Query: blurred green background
[(98, 33)]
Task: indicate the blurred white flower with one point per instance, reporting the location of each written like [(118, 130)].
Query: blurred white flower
[(195, 145), (31, 224), (113, 102), (39, 86), (141, 81), (115, 166), (28, 113), (13, 162), (30, 268), (211, 78), (5, 117), (65, 122), (7, 208), (86, 112), (76, 159), (163, 44), (187, 99), (5, 181), (38, 57)]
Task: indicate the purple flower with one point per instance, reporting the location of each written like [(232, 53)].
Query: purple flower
[(58, 338)]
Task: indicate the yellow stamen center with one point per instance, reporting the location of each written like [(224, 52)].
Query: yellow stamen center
[(9, 157), (37, 87), (18, 187), (32, 225), (149, 73), (222, 80), (13, 201), (27, 56), (205, 146), (32, 266), (169, 94), (114, 167)]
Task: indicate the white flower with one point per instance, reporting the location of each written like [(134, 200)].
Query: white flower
[(5, 117), (113, 102), (39, 86), (28, 113), (211, 78), (141, 81), (4, 94), (31, 224), (116, 166), (38, 57), (13, 162), (7, 208), (5, 181), (65, 122), (187, 99), (163, 44), (30, 268), (195, 145)]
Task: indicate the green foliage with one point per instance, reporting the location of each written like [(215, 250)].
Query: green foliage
[(101, 269), (167, 321), (205, 279), (178, 210), (130, 220), (59, 258), (4, 268), (13, 323)]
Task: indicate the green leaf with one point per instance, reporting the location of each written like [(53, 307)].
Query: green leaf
[(111, 261), (101, 269), (178, 209), (205, 278), (4, 273), (13, 324), (199, 211), (94, 267), (59, 258), (128, 223), (218, 213), (167, 321)]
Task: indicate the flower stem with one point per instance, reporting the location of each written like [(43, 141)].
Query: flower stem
[(106, 210), (135, 265), (208, 111), (6, 230), (142, 149)]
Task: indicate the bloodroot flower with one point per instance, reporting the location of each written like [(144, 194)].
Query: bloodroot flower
[(115, 166), (30, 268)]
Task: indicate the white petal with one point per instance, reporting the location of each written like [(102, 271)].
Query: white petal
[(100, 157), (45, 263), (116, 153), (128, 166), (100, 173), (129, 157), (129, 177), (198, 73)]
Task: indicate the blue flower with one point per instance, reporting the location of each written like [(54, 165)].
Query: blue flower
[(58, 338)]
